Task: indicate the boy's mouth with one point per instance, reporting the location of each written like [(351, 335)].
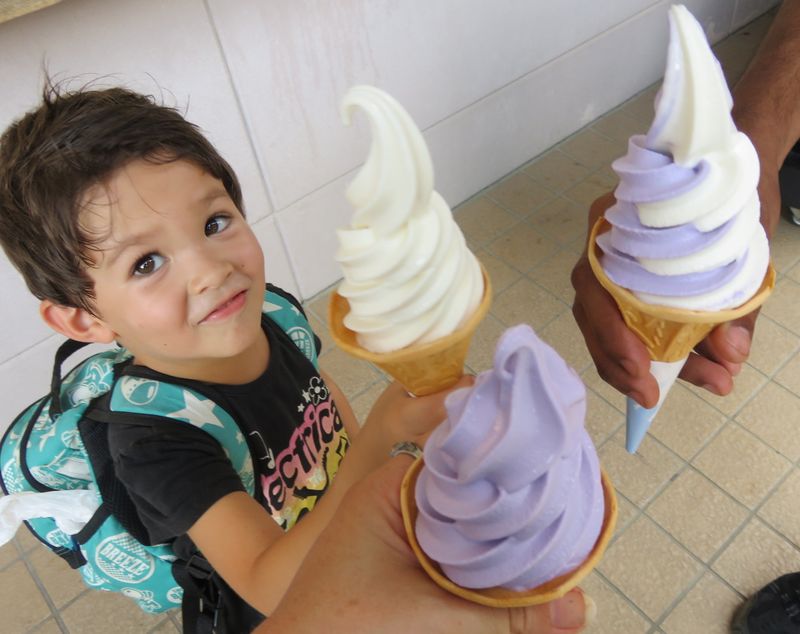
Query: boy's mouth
[(229, 307)]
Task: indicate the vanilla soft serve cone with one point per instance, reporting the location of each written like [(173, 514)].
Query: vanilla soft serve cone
[(413, 293), (683, 250)]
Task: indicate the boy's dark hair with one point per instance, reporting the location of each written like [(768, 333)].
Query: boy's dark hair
[(54, 154)]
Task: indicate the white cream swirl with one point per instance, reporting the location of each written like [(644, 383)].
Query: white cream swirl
[(408, 274)]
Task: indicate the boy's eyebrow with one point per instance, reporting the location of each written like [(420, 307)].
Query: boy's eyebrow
[(112, 253)]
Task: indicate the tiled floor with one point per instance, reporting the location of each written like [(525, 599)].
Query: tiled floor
[(708, 507)]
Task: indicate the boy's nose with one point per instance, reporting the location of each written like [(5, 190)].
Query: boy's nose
[(208, 272)]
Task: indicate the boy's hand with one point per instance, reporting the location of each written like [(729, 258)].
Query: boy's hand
[(405, 417)]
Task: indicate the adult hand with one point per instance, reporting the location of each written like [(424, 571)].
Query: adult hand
[(622, 359), (362, 577)]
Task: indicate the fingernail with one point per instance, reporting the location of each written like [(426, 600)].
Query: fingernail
[(568, 612), (591, 609), (739, 338), (635, 396)]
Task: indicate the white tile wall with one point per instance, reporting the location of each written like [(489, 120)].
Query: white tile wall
[(491, 84)]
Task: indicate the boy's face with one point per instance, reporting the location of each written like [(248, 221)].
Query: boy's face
[(180, 275)]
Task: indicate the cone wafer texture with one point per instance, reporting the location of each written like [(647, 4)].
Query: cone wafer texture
[(669, 334), (421, 368), (502, 597)]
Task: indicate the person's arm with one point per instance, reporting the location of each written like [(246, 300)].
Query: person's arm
[(362, 577), (766, 104), (249, 550)]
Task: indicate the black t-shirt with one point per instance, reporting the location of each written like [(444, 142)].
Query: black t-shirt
[(174, 472)]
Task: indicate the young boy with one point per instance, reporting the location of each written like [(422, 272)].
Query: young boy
[(129, 227)]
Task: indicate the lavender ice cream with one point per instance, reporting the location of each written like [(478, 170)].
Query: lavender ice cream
[(685, 228), (510, 494)]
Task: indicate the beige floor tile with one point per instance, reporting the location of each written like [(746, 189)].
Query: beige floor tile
[(362, 404), (523, 247), (615, 614), (556, 171), (697, 513), (685, 422), (520, 194), (526, 303), (561, 220), (627, 512), (783, 246), (619, 126), (8, 553), (744, 466), (352, 375), (318, 305), (789, 375), (167, 627), (26, 541), (794, 272), (602, 420), (641, 475), (772, 345), (745, 385), (774, 416), (599, 183), (21, 603), (95, 612), (482, 220), (500, 273), (554, 275), (641, 106), (592, 149), (782, 511), (61, 582), (48, 627), (481, 351), (649, 567), (612, 396), (706, 609), (757, 556), (565, 337)]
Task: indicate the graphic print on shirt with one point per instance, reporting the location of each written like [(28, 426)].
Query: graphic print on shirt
[(297, 477)]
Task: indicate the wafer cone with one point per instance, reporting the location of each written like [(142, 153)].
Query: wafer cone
[(421, 368), (669, 334), (498, 597)]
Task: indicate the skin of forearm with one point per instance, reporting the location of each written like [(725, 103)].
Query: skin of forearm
[(767, 98)]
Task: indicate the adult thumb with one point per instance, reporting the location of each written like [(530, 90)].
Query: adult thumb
[(568, 615)]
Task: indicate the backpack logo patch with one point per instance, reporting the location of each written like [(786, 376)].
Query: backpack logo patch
[(123, 558), (303, 340), (138, 391)]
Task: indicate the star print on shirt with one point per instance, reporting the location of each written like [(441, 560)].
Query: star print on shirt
[(198, 411)]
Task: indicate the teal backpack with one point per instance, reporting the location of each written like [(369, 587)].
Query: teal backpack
[(58, 443)]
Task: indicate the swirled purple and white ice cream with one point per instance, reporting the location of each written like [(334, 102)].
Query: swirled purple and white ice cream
[(685, 227), (510, 493), (409, 276)]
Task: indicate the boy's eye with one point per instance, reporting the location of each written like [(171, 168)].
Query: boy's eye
[(215, 224), (148, 264)]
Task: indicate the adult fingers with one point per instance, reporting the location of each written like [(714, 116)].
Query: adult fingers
[(620, 357)]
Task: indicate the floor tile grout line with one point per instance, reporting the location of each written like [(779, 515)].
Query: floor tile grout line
[(55, 612), (616, 590)]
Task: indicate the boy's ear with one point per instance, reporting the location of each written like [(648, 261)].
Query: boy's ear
[(75, 323)]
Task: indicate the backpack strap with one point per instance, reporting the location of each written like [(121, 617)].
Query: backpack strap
[(281, 308)]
